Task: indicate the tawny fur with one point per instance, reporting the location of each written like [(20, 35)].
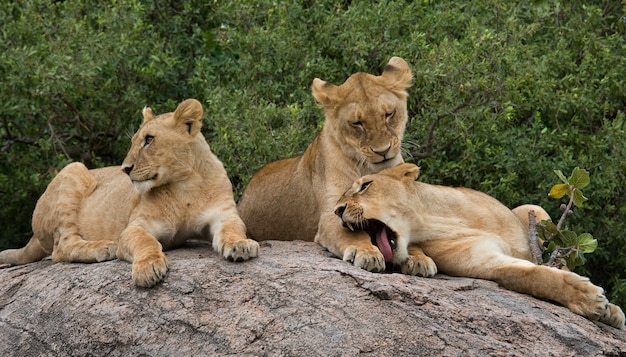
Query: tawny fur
[(365, 119), (170, 188), (463, 232)]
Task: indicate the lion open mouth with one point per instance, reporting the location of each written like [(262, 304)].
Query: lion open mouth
[(383, 237)]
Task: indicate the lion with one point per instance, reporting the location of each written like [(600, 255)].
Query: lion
[(365, 119), (423, 229), (170, 188)]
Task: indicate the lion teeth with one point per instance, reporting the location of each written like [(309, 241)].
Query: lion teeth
[(350, 226)]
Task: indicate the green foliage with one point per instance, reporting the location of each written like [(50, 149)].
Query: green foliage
[(561, 246), (571, 187), (502, 91)]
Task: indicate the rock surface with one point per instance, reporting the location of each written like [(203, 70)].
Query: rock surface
[(294, 300)]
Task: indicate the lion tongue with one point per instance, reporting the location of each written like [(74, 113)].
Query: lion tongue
[(382, 242)]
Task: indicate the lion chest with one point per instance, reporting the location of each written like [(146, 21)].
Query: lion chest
[(173, 219)]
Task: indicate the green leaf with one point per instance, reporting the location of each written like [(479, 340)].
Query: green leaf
[(549, 232), (579, 199), (574, 260), (550, 226), (579, 178), (558, 191), (586, 243), (561, 176), (568, 238)]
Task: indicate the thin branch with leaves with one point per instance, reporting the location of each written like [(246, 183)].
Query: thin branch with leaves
[(561, 247)]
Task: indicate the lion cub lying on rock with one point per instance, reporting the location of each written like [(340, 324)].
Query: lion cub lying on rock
[(170, 188), (424, 228)]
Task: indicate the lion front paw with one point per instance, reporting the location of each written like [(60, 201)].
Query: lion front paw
[(588, 300), (241, 250), (614, 316), (149, 270), (106, 252), (421, 265), (369, 259)]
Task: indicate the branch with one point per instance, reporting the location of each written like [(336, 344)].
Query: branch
[(432, 152), (535, 249), (56, 139), (567, 210), (430, 135), (556, 254), (8, 142)]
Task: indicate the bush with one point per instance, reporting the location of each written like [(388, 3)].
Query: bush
[(504, 93)]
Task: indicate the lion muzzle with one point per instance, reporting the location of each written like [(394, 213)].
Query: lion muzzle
[(339, 210)]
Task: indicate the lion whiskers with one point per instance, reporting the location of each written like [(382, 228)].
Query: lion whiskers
[(361, 223)]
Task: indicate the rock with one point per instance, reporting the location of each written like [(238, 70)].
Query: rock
[(294, 300)]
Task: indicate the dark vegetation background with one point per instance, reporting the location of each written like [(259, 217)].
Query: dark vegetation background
[(504, 92)]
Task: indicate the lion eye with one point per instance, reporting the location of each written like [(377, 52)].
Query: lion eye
[(357, 124), (389, 115), (148, 140), (364, 186)]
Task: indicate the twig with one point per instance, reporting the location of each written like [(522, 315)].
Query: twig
[(566, 211), (535, 250), (557, 254), (428, 150), (56, 139)]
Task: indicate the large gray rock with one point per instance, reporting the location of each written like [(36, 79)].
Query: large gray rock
[(294, 300)]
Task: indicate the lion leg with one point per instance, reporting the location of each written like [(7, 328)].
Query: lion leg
[(145, 253), (73, 248), (55, 223), (485, 258), (569, 289), (355, 247), (71, 186), (228, 234), (418, 263)]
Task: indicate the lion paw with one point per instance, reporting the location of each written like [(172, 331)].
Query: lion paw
[(106, 252), (419, 265), (149, 270), (588, 300), (614, 316), (241, 250), (368, 259)]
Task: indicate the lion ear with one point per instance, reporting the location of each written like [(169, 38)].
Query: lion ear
[(189, 114), (147, 114), (405, 172), (324, 92), (397, 74)]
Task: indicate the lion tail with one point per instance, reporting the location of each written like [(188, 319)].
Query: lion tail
[(32, 252)]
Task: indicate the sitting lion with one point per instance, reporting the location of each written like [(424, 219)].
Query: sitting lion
[(423, 228), (365, 121), (170, 188)]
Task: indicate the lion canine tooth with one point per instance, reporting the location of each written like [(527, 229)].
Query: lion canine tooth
[(349, 224)]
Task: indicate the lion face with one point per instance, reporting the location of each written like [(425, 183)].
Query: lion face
[(367, 114), (161, 150), (378, 205)]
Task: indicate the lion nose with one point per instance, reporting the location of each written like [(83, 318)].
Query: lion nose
[(381, 151), (340, 210), (128, 169)]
